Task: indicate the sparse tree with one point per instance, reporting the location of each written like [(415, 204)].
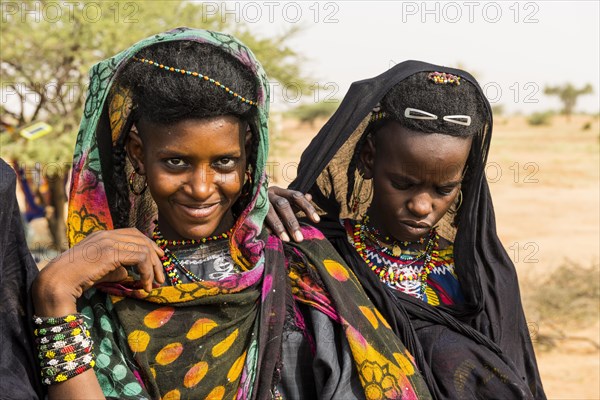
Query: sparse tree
[(48, 47), (568, 95)]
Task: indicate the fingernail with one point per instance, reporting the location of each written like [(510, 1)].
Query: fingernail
[(316, 217), (285, 237), (298, 236)]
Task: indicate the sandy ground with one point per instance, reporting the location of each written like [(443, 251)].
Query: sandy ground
[(550, 212), (545, 186)]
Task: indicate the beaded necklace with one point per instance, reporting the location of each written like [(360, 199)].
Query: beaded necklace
[(374, 235), (393, 276), (171, 263)]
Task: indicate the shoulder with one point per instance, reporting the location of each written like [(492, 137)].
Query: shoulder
[(315, 243), (445, 244), (311, 233)]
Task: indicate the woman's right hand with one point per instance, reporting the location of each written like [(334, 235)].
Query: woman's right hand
[(281, 216), (101, 257)]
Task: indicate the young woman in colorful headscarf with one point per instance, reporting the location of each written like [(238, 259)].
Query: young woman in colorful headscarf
[(180, 290), (398, 184)]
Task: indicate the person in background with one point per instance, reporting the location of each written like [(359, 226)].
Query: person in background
[(19, 366)]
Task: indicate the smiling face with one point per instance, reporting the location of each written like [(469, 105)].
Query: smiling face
[(416, 178), (195, 172)]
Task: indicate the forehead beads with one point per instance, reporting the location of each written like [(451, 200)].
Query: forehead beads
[(197, 75)]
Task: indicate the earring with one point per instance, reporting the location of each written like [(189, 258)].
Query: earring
[(460, 199), (132, 187), (356, 192), (248, 183)]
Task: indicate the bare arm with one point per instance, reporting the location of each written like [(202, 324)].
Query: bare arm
[(101, 257)]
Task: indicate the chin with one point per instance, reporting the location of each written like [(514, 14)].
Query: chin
[(409, 236), (194, 230), (202, 231)]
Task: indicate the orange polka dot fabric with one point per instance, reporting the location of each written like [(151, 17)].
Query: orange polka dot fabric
[(222, 339), (321, 280), (195, 349)]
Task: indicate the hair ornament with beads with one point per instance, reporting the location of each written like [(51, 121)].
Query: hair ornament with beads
[(444, 78), (376, 116), (198, 75)]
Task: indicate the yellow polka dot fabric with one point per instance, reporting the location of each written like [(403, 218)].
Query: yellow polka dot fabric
[(191, 350)]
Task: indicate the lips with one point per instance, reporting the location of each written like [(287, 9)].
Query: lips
[(416, 229), (198, 211), (415, 224)]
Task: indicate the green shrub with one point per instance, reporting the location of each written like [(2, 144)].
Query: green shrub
[(540, 118)]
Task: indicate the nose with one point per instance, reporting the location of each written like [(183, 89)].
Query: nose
[(201, 183), (420, 205)]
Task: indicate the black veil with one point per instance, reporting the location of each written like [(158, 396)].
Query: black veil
[(19, 371), (463, 348)]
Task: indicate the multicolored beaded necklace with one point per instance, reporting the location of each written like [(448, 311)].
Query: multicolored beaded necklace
[(394, 275), (374, 235), (170, 262)]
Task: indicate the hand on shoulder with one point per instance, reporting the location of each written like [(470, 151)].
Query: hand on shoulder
[(281, 218)]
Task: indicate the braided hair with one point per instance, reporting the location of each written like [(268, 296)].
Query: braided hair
[(163, 97)]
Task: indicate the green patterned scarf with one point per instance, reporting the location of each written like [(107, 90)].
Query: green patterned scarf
[(218, 339)]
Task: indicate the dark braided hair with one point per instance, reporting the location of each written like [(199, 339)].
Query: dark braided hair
[(164, 97), (417, 91), (121, 199)]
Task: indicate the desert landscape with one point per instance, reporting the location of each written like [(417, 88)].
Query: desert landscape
[(545, 186)]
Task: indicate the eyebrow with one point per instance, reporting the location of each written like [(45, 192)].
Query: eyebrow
[(177, 153), (452, 183), (396, 175)]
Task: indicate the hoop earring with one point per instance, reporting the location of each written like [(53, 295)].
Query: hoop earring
[(356, 191), (460, 199), (248, 183), (132, 187)]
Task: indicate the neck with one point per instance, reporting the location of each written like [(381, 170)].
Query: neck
[(169, 233), (382, 237)]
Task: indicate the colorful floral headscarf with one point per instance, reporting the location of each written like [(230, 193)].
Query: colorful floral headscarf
[(215, 339)]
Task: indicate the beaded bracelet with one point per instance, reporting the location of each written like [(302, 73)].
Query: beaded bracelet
[(56, 365), (55, 345), (53, 321), (58, 328), (69, 353), (79, 331), (66, 366), (65, 375), (64, 347)]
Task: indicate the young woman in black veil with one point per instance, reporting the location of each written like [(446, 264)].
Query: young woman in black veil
[(397, 183)]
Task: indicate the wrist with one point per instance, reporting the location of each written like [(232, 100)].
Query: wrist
[(52, 299)]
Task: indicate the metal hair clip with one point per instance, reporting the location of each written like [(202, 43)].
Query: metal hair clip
[(458, 119), (414, 113)]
